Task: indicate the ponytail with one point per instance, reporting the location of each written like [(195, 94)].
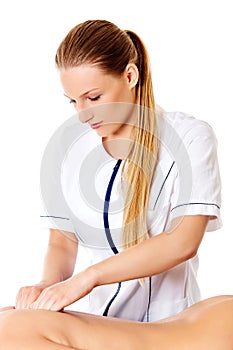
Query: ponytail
[(141, 165)]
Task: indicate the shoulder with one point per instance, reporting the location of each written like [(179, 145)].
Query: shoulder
[(184, 126), (178, 132)]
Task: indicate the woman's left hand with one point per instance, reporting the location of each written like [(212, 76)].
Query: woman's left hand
[(62, 294)]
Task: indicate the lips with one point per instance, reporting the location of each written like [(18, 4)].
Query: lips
[(96, 125)]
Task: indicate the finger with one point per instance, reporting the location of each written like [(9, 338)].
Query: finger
[(7, 308), (48, 301), (42, 304), (19, 299), (26, 296), (21, 302)]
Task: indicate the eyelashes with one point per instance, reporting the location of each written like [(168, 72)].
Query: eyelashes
[(94, 98), (72, 101)]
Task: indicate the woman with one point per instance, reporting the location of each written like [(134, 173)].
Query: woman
[(136, 186), (207, 325)]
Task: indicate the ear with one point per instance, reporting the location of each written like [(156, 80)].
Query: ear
[(132, 75)]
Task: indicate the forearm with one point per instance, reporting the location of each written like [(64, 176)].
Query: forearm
[(60, 257), (154, 256), (58, 265), (151, 257)]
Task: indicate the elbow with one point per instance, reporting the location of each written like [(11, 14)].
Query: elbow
[(183, 254), (189, 253), (192, 254)]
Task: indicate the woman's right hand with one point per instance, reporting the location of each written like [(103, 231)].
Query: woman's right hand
[(58, 265), (27, 295)]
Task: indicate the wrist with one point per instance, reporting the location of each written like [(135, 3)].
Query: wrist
[(84, 282), (92, 276), (43, 284)]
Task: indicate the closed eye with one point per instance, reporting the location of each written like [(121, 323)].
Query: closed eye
[(94, 98)]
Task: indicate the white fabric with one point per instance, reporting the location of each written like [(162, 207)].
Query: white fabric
[(186, 182)]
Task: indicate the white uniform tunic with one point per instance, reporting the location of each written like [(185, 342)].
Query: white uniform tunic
[(76, 171)]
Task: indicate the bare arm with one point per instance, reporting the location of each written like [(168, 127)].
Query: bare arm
[(156, 255), (60, 258)]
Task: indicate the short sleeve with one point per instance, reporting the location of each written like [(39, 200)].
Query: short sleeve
[(197, 187), (55, 218)]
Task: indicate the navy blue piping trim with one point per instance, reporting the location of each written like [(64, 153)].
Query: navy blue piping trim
[(106, 208), (149, 301), (194, 203), (107, 229), (163, 184), (51, 216), (105, 313)]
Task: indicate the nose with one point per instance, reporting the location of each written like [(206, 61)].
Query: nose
[(85, 114), (83, 111), (81, 105)]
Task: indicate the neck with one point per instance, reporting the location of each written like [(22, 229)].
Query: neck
[(118, 148), (119, 145)]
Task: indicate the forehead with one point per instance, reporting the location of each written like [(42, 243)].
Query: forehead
[(81, 72), (84, 78)]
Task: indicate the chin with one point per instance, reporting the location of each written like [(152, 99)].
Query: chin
[(103, 132)]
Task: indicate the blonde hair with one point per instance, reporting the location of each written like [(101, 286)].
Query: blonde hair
[(102, 43)]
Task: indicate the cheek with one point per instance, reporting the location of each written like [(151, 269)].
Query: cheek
[(125, 95), (120, 92)]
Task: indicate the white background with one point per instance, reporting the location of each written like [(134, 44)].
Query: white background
[(190, 47)]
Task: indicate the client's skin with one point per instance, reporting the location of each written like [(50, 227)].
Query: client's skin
[(207, 325)]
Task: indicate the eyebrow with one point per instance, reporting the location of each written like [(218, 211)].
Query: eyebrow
[(85, 93)]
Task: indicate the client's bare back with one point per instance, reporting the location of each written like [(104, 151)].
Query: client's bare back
[(207, 325)]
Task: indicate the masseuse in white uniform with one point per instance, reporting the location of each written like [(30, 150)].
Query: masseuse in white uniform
[(137, 189)]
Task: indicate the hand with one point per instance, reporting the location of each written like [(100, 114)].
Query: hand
[(27, 295), (62, 294)]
